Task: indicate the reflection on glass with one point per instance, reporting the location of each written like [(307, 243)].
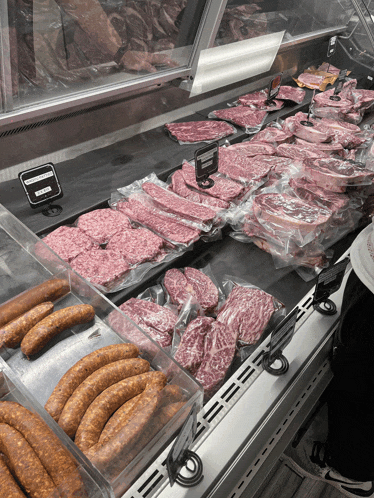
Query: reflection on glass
[(249, 19), (69, 45)]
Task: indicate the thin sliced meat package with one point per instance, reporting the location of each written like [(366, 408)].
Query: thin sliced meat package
[(336, 174), (286, 216), (138, 209), (200, 131), (242, 168), (242, 116), (190, 352), (192, 282), (253, 148), (173, 203), (68, 242), (136, 245), (101, 267), (223, 188), (219, 352), (247, 311), (164, 339), (154, 315), (102, 224), (180, 187)]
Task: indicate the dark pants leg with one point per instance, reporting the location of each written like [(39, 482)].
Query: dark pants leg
[(350, 397)]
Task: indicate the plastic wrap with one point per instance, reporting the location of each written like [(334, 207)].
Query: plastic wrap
[(316, 133), (251, 120), (273, 133), (199, 131), (315, 79), (250, 148)]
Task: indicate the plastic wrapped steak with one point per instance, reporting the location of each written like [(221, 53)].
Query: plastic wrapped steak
[(242, 116), (136, 245), (68, 242), (190, 352), (200, 131), (102, 224), (238, 167), (247, 311), (101, 267)]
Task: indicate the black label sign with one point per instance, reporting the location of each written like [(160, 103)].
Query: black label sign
[(206, 161), (41, 185), (282, 335), (332, 46), (176, 458), (329, 281), (342, 76), (274, 87)]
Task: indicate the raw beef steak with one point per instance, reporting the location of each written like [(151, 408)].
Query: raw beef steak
[(102, 224), (219, 351), (180, 187), (322, 149), (259, 101), (223, 188), (291, 93), (136, 245), (250, 149), (239, 167), (311, 80), (68, 242), (298, 152), (242, 116), (323, 100), (177, 286), (200, 131), (310, 191), (341, 125), (154, 315), (272, 134), (336, 174), (190, 352), (154, 219), (247, 311), (173, 203), (101, 267)]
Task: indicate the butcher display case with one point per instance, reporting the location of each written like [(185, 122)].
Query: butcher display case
[(33, 376)]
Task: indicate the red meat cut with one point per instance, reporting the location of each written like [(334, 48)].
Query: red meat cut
[(239, 167), (200, 131), (102, 224), (250, 149), (242, 116), (68, 242), (136, 245)]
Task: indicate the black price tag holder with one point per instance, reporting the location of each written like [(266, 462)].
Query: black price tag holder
[(307, 122), (206, 163), (280, 338), (180, 456), (331, 49), (273, 89), (328, 282), (339, 86), (42, 187)]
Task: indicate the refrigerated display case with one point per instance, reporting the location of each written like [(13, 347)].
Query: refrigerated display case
[(104, 127)]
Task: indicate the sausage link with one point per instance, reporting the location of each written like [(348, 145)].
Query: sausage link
[(92, 386), (12, 333), (106, 404), (81, 370), (49, 327), (8, 486), (171, 393), (55, 458), (118, 418), (47, 291), (108, 457), (25, 464)]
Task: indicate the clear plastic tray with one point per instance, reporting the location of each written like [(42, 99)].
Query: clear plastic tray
[(21, 269)]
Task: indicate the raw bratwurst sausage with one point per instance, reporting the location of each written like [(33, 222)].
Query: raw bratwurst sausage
[(12, 333), (47, 291), (8, 485), (49, 327), (92, 386), (82, 369)]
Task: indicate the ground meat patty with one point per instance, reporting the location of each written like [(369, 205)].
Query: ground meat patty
[(68, 242), (101, 267), (199, 131), (247, 311), (223, 188), (136, 245), (102, 224), (190, 352)]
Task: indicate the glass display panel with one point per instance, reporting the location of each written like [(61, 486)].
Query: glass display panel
[(360, 35), (249, 19), (60, 47)]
